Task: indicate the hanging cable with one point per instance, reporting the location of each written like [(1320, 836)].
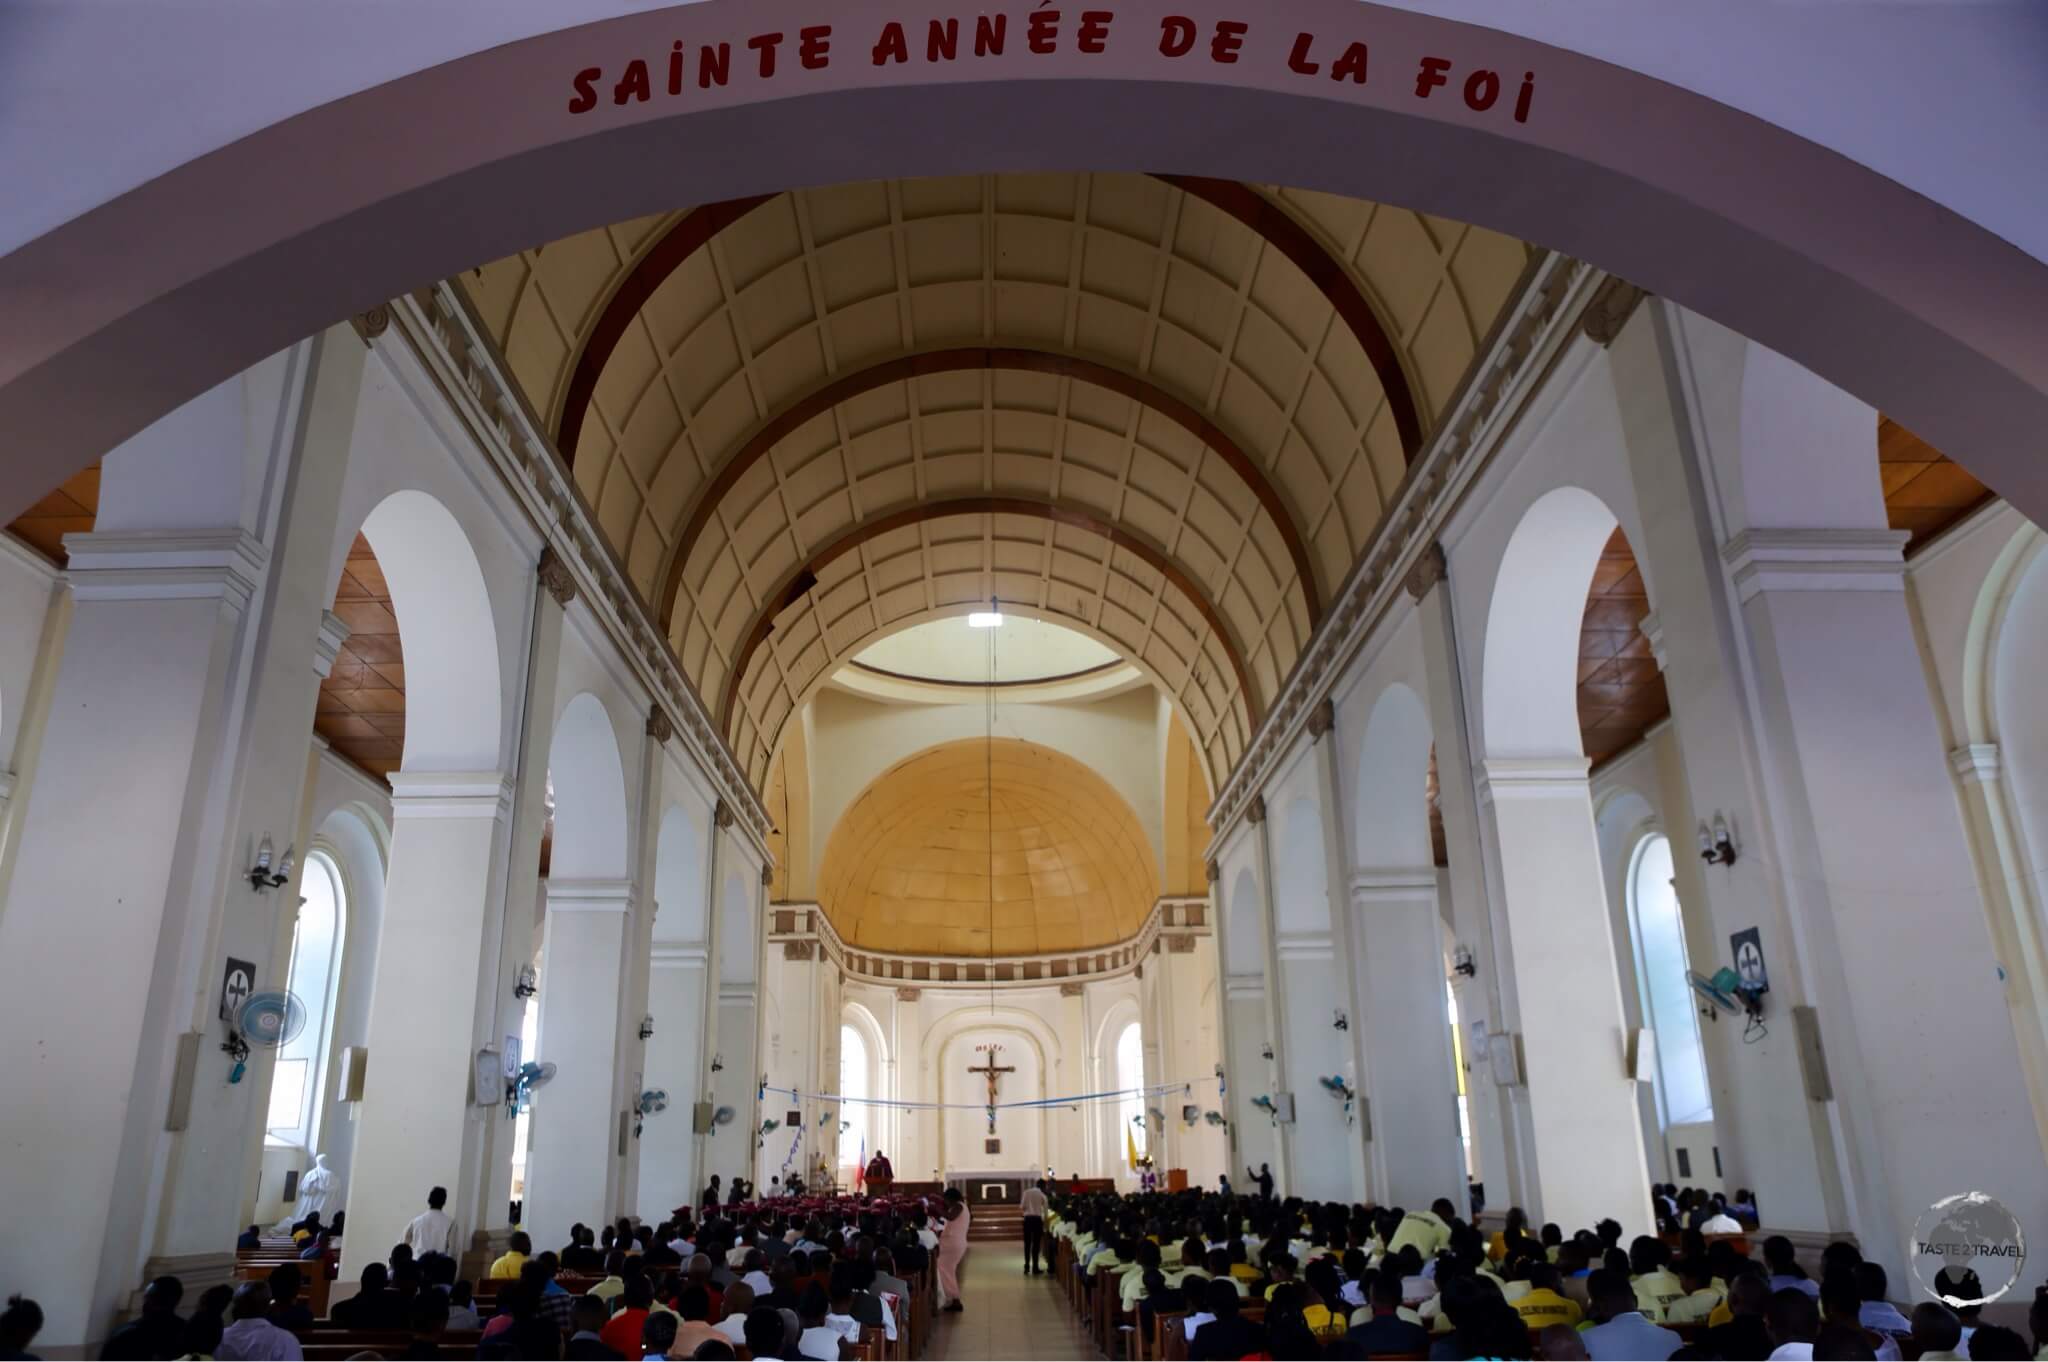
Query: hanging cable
[(989, 747)]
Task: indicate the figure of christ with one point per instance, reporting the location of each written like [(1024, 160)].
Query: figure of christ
[(992, 1071)]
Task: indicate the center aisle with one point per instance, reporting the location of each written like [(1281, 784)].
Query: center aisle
[(1008, 1314)]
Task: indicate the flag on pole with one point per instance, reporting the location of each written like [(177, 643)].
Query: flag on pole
[(1130, 1149), (860, 1168)]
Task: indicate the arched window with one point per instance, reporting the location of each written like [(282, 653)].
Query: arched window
[(1130, 1073), (296, 1083), (854, 1149), (1661, 967)]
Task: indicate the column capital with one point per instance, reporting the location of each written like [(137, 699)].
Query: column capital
[(1612, 304), (1816, 560), (1303, 946), (327, 643), (1384, 885), (142, 565), (1321, 719), (589, 895), (1213, 870), (1071, 990), (767, 873), (1976, 763), (908, 995), (1503, 778), (658, 726), (721, 815), (1255, 811), (1652, 628), (1427, 571), (450, 794), (555, 576)]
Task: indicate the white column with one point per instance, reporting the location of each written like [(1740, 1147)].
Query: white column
[(574, 1138), (1482, 1001), (520, 926), (676, 1059), (1347, 956), (145, 689), (636, 988), (2014, 901), (180, 719), (1882, 887), (1774, 1140), (1587, 1141), (1409, 1075), (447, 829)]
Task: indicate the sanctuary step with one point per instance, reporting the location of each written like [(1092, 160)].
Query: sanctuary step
[(994, 1223)]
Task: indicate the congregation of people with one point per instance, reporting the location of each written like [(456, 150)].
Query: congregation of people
[(786, 1278), (1262, 1277)]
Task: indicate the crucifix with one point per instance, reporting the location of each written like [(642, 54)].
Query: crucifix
[(990, 1070)]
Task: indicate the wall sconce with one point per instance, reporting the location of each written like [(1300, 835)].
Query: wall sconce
[(1343, 1023), (1716, 847), (528, 982), (717, 1063), (1265, 1049), (262, 878), (1463, 962), (647, 1026)]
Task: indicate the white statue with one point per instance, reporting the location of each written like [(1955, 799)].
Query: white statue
[(314, 1189)]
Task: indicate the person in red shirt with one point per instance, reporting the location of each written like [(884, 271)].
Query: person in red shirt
[(622, 1334)]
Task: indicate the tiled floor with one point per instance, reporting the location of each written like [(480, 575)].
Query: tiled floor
[(1008, 1314)]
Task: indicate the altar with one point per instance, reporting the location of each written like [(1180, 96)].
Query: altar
[(992, 1186)]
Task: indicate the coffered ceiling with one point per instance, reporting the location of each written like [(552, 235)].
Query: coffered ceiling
[(1171, 410)]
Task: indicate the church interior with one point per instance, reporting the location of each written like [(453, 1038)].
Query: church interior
[(1242, 705)]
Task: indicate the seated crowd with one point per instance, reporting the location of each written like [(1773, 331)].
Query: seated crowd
[(789, 1281), (1258, 1277)]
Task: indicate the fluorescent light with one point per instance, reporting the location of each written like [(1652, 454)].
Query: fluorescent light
[(985, 619)]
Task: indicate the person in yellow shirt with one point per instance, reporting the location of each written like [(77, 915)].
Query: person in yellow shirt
[(1427, 1232), (1543, 1304), (1517, 1226), (1703, 1293), (512, 1259), (1656, 1286)]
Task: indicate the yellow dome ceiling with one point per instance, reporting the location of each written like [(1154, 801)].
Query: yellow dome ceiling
[(908, 867)]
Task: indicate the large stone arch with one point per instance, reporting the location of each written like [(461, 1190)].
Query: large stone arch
[(1782, 236)]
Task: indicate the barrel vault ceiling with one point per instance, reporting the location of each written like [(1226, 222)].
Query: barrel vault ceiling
[(1169, 411)]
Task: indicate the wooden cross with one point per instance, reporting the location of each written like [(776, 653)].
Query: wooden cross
[(991, 1071)]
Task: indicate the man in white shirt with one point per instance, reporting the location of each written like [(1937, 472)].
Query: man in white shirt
[(432, 1231), (739, 1303), (1033, 1205)]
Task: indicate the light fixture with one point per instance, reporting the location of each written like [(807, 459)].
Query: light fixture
[(991, 618), (1716, 847), (1462, 962), (1266, 1049), (1342, 1023), (528, 982), (262, 877), (717, 1063), (647, 1026)]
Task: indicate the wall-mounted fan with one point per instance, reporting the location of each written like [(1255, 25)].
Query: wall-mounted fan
[(652, 1101), (1214, 1118), (722, 1117), (519, 1088), (267, 1020)]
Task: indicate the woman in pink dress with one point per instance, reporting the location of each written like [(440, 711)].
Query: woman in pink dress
[(952, 1248)]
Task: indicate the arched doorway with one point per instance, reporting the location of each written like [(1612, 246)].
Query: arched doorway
[(1578, 1116), (572, 1163), (449, 798)]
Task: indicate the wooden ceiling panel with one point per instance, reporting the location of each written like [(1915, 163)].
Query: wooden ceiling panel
[(1621, 691), (361, 712)]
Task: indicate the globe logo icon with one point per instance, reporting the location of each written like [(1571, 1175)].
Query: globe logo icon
[(1967, 1250)]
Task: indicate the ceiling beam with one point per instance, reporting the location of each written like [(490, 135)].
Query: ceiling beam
[(798, 581), (1281, 231), (1017, 359)]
